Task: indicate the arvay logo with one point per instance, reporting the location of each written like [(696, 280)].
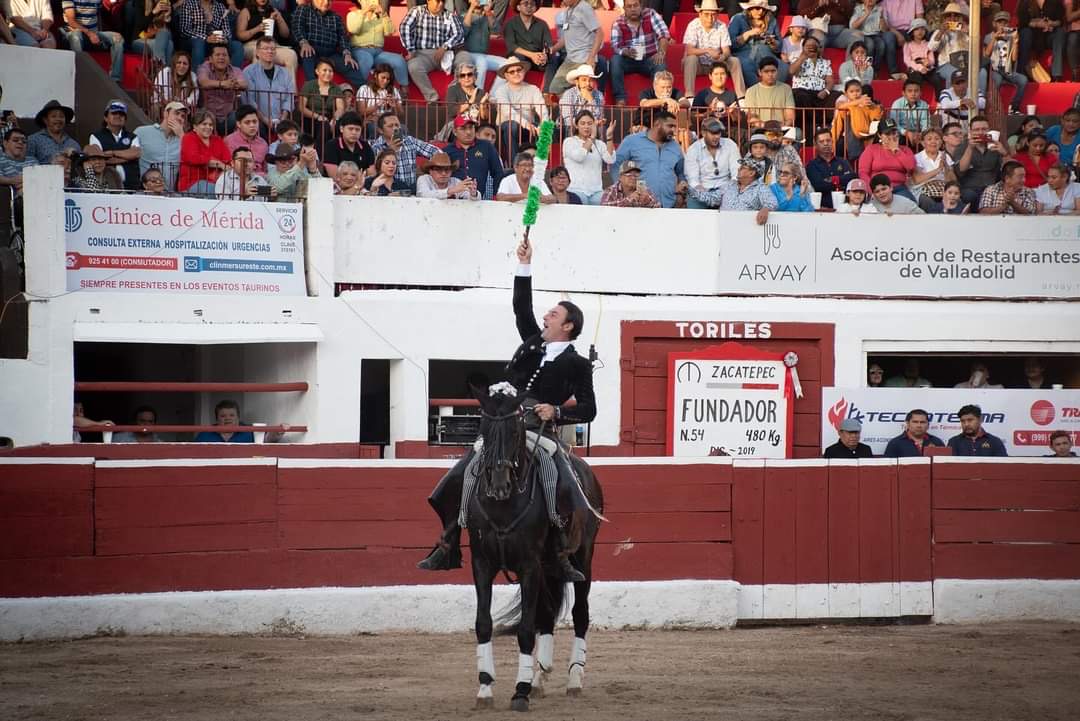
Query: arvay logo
[(72, 216)]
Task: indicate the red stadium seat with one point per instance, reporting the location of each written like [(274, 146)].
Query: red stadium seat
[(133, 67), (886, 91)]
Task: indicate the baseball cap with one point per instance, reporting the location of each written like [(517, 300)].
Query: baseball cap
[(855, 184), (284, 152), (629, 167), (176, 105), (851, 425), (116, 106), (463, 119), (1003, 15), (888, 125)]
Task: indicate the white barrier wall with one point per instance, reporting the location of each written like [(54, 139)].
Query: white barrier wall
[(701, 252), (53, 78)]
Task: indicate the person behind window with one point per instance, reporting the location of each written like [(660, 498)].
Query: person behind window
[(910, 377), (978, 378), (914, 440), (144, 416), (875, 376), (972, 439), (1061, 444), (79, 420), (226, 413)]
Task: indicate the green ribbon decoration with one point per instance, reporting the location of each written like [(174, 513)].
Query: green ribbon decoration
[(532, 205), (543, 143), (543, 147)]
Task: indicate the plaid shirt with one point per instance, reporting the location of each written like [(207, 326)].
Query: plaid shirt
[(420, 30), (615, 196), (994, 196), (573, 102), (191, 21), (406, 156), (322, 30), (728, 196), (651, 28)]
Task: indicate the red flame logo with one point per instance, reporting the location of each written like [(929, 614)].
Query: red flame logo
[(838, 413)]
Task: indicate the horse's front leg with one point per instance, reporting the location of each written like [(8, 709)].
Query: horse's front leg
[(530, 582), (483, 576), (576, 675)]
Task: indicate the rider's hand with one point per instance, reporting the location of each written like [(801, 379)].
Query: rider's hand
[(524, 253), (544, 411)]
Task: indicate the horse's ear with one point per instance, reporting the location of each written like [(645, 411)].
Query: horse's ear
[(482, 395)]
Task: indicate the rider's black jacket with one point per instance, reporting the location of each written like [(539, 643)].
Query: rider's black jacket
[(569, 375)]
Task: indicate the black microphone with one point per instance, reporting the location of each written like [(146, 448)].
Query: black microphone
[(593, 357)]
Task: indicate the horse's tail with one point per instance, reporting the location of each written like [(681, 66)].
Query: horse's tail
[(553, 597)]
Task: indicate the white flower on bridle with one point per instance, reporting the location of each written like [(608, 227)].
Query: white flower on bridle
[(502, 388)]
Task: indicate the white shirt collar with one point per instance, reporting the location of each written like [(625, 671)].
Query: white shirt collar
[(553, 349)]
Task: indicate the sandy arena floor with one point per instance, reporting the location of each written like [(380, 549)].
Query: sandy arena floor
[(1015, 672)]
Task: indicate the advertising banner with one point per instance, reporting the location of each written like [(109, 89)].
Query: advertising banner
[(183, 245), (916, 256), (1022, 419), (729, 400)]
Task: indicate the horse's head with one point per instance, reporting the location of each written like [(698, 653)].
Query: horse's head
[(502, 426)]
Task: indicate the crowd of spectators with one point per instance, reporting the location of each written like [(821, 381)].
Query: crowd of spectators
[(736, 144), (226, 414)]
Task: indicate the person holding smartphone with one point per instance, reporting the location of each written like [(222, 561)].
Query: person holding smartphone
[(631, 191)]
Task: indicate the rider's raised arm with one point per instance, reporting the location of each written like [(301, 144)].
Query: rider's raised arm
[(523, 307)]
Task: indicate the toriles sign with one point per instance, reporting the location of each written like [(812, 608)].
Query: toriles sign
[(1023, 419), (730, 400), (183, 245)]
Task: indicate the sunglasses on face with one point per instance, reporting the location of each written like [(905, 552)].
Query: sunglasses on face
[(466, 75)]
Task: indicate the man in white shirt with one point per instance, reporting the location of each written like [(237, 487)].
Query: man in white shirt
[(708, 43), (30, 23), (230, 184), (711, 161)]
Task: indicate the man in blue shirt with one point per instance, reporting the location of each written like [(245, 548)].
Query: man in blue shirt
[(659, 157), (914, 440), (1066, 135), (475, 158), (973, 440), (826, 172)]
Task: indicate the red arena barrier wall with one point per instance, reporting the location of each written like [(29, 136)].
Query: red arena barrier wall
[(802, 538)]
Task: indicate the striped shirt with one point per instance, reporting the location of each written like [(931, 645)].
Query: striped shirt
[(420, 30), (10, 168), (86, 12), (651, 28), (324, 31)]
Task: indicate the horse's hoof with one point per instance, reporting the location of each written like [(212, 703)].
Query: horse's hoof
[(482, 703), (519, 704), (573, 692)]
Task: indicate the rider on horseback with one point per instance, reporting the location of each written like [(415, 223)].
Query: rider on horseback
[(547, 371)]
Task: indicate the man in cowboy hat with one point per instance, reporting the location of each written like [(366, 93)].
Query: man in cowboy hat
[(707, 44), (579, 44), (521, 106), (53, 120), (582, 96), (439, 183)]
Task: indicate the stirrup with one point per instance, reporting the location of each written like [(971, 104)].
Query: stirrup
[(569, 573)]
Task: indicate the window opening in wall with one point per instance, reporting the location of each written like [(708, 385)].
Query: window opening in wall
[(453, 415), (990, 370)]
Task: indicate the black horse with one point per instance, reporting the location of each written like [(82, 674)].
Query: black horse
[(509, 532)]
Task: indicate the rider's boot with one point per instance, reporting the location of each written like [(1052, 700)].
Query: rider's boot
[(446, 500), (446, 555), (562, 543)]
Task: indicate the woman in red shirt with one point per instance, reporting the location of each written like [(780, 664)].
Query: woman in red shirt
[(888, 156), (1036, 160), (203, 155)]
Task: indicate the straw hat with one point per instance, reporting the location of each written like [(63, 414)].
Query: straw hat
[(954, 9), (582, 71), (707, 5), (511, 62), (764, 4)]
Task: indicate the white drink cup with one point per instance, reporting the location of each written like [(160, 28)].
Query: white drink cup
[(1030, 109), (268, 27)]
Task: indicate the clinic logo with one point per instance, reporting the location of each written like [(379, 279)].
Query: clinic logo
[(1042, 412), (72, 216), (287, 224)]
